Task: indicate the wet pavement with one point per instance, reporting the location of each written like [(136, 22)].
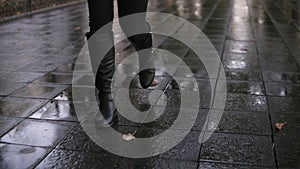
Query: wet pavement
[(258, 43)]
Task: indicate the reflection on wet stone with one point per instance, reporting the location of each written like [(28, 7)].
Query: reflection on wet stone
[(39, 91), (77, 159), (258, 45), (42, 133), (19, 107), (56, 110), (7, 88), (7, 123), (242, 102), (20, 157), (155, 163), (240, 149), (55, 78)]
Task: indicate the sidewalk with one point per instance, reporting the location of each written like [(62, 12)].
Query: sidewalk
[(260, 52)]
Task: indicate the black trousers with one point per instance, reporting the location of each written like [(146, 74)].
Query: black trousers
[(101, 12)]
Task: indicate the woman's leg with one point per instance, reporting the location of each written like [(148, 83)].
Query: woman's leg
[(138, 23), (141, 41), (100, 14)]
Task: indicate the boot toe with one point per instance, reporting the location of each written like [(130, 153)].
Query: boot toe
[(146, 78)]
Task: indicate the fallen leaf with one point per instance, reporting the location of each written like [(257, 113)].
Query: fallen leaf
[(128, 137), (77, 28), (279, 126), (154, 83)]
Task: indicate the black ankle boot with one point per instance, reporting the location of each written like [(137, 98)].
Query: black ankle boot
[(107, 108), (104, 76), (147, 77), (146, 59)]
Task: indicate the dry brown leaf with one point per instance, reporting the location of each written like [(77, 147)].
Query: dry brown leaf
[(279, 126), (128, 137), (154, 83), (77, 28)]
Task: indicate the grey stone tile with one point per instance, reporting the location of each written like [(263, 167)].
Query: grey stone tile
[(165, 117), (132, 82), (79, 140), (245, 47), (7, 123), (56, 110), (198, 71), (281, 77), (78, 94), (10, 67), (279, 66), (17, 107), (282, 89), (287, 150), (241, 87), (286, 142), (70, 68), (7, 88), (290, 128), (85, 80), (243, 102), (245, 35), (20, 76), (254, 123), (65, 95), (216, 165), (284, 104), (240, 36), (56, 78), (240, 61), (140, 99), (278, 63), (272, 48), (187, 149), (172, 98), (245, 75), (40, 66), (156, 163), (190, 84), (38, 133), (21, 157), (239, 149), (39, 91), (77, 159)]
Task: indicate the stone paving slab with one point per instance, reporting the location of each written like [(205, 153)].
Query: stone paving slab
[(38, 133), (239, 149), (259, 50)]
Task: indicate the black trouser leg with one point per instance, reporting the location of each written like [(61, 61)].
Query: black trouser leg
[(100, 14), (139, 24), (140, 41)]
